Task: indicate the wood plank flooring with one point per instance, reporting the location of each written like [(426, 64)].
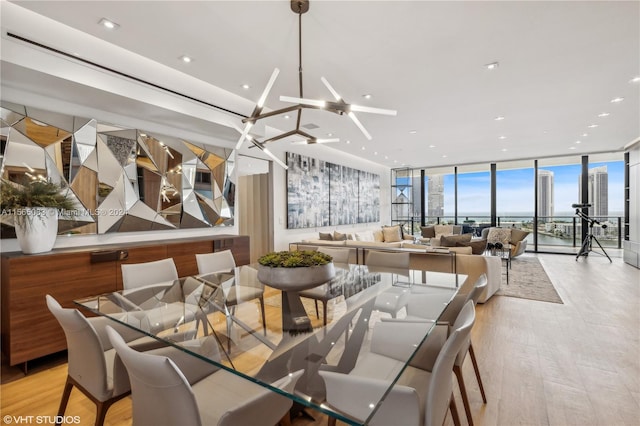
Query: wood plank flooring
[(576, 363)]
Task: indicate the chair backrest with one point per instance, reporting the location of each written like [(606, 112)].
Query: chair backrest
[(219, 261), (478, 288), (156, 378), (136, 275), (339, 255), (388, 261), (441, 384), (87, 364)]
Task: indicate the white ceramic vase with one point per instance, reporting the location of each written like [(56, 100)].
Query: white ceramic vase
[(36, 229)]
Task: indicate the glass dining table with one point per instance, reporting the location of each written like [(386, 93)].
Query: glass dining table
[(193, 314)]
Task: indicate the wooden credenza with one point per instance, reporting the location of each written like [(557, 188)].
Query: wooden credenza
[(29, 331)]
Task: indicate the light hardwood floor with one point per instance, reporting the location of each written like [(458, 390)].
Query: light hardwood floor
[(576, 363)]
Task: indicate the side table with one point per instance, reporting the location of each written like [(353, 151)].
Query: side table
[(504, 253)]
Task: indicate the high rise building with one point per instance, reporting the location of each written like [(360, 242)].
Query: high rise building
[(598, 189), (545, 195), (435, 196)]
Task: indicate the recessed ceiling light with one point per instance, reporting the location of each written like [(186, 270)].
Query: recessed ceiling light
[(329, 134), (375, 153), (185, 58), (635, 80), (572, 147), (502, 137), (616, 100), (592, 126), (504, 149), (492, 66), (395, 161), (386, 157), (432, 146), (413, 132), (578, 141), (367, 96), (444, 156), (584, 135), (348, 141), (603, 114), (499, 118), (363, 148), (286, 117), (109, 24), (246, 86)]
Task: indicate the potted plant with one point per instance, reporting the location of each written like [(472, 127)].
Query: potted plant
[(33, 208), (295, 270)]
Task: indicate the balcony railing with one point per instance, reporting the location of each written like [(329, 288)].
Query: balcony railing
[(550, 231)]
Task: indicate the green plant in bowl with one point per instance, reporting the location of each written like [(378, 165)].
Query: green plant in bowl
[(294, 259)]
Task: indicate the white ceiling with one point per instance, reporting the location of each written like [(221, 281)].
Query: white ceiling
[(561, 63)]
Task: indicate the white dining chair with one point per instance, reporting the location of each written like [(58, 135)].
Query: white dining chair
[(136, 275), (234, 293), (92, 367), (419, 398), (394, 299), (162, 395)]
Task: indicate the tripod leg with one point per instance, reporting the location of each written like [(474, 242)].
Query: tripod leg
[(584, 249), (602, 248)]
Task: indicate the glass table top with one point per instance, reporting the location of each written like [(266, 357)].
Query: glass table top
[(219, 318)]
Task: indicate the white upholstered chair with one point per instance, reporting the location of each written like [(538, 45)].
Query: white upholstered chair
[(394, 299), (136, 275), (223, 261), (420, 397), (91, 360), (162, 395), (323, 292), (420, 306)]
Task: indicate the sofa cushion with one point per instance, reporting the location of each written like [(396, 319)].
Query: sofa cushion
[(364, 236), (518, 235), (477, 246), (450, 241), (373, 244), (378, 235), (392, 234), (499, 235), (428, 231), (326, 236)]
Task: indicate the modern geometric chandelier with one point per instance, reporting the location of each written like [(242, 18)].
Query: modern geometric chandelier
[(338, 106)]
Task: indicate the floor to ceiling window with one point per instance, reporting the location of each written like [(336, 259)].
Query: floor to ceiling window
[(515, 195)]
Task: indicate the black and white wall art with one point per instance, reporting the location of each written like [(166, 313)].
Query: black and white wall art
[(320, 193)]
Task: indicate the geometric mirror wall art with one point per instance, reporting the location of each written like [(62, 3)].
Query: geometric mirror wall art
[(120, 180)]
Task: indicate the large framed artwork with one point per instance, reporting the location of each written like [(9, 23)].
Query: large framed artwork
[(320, 193), (307, 192)]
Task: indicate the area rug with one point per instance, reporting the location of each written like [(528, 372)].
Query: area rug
[(528, 280)]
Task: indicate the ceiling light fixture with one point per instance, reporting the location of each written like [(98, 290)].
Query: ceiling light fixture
[(413, 132), (499, 118), (185, 58), (492, 65), (603, 114), (339, 106), (246, 87), (502, 137), (592, 126), (616, 100), (635, 80), (109, 24), (367, 96), (578, 141)]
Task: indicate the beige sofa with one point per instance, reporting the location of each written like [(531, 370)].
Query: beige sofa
[(427, 259)]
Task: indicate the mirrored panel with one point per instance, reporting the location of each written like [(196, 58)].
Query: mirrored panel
[(121, 180)]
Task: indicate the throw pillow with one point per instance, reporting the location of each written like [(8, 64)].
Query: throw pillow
[(364, 236), (477, 246), (443, 230), (450, 241), (326, 236), (392, 234), (378, 236), (499, 235), (518, 235), (428, 231), (338, 236)]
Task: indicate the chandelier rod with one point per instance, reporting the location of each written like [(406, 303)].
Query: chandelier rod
[(299, 61)]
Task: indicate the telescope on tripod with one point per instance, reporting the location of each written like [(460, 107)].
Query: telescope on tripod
[(587, 243)]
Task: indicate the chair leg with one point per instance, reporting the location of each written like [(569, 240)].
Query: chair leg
[(317, 312), (477, 370), (331, 421), (68, 386), (264, 319), (463, 391), (324, 312), (285, 420), (454, 411), (101, 412)]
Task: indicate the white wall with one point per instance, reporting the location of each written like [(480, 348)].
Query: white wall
[(632, 247), (284, 236)]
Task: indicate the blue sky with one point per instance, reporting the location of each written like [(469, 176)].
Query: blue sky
[(515, 190)]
